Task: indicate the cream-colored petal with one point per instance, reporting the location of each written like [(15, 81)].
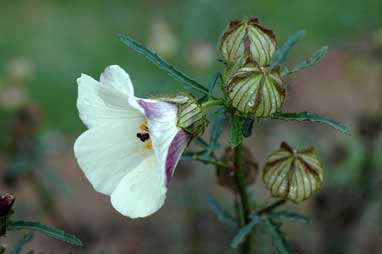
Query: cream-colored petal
[(107, 153), (162, 120), (141, 192), (117, 78), (102, 105)]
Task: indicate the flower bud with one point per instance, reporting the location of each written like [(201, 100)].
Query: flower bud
[(6, 203), (291, 174), (255, 90), (247, 38), (226, 176), (191, 117)]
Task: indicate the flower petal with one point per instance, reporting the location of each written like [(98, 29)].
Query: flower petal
[(98, 104), (162, 120), (141, 192), (117, 78), (107, 153), (175, 151)]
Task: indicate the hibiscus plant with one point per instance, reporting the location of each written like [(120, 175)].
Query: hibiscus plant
[(132, 145)]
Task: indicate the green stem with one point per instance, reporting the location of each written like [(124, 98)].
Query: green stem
[(210, 161), (211, 103), (246, 248)]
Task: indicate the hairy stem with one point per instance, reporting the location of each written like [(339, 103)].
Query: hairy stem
[(246, 248)]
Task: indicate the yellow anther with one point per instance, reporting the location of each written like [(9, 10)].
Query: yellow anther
[(149, 145), (143, 126)]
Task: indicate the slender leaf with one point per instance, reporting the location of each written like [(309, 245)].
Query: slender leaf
[(245, 232), (191, 155), (49, 231), (247, 127), (278, 238), (306, 116), (200, 141), (212, 85), (216, 130), (222, 215), (22, 242), (235, 135), (315, 58), (289, 216), (2, 250), (171, 70), (282, 52)]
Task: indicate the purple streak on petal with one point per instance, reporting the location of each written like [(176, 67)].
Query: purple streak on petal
[(177, 147), (156, 110)]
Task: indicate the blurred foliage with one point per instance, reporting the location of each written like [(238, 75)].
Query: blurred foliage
[(64, 38)]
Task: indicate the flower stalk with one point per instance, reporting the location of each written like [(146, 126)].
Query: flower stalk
[(211, 103)]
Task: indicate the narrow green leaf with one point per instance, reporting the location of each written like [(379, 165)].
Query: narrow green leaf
[(190, 155), (22, 242), (282, 52), (315, 58), (216, 130), (200, 141), (212, 85), (2, 250), (235, 135), (222, 215), (247, 127), (289, 216), (171, 70), (49, 231), (245, 232), (278, 237), (306, 116)]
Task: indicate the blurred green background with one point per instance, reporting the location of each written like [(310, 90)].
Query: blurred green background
[(62, 39), (46, 45)]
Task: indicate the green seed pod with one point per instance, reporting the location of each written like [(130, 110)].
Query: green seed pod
[(255, 90), (226, 176), (293, 175), (247, 38), (191, 117)]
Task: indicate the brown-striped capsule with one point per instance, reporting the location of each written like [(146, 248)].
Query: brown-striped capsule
[(256, 91), (247, 39), (291, 174)]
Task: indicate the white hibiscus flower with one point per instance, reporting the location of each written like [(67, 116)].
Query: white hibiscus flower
[(132, 145)]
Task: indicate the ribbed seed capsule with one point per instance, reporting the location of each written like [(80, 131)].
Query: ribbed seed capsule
[(293, 175), (254, 90), (191, 117), (247, 38)]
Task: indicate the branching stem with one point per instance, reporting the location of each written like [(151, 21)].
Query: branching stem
[(246, 247)]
